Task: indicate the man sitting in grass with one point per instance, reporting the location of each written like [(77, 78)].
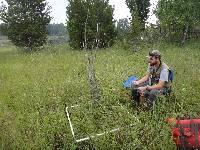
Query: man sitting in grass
[(154, 82)]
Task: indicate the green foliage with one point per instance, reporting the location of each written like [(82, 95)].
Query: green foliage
[(56, 40), (152, 34), (3, 29), (139, 9), (135, 26), (56, 29), (139, 12), (26, 22), (178, 17), (35, 88), (123, 27), (90, 23), (58, 34)]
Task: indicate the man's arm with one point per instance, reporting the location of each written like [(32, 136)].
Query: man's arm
[(158, 86), (143, 79), (163, 78)]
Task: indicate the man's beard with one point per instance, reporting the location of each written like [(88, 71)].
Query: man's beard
[(153, 64)]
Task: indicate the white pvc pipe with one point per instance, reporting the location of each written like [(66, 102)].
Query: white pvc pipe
[(89, 137), (70, 123)]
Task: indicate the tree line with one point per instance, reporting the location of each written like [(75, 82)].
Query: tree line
[(52, 29), (57, 29), (90, 23)]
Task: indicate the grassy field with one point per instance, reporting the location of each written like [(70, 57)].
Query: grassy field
[(35, 88)]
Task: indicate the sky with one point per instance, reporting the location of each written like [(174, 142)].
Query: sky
[(121, 10)]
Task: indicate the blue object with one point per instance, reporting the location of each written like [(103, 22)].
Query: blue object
[(127, 83), (171, 74)]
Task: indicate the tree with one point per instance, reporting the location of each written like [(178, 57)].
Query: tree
[(3, 29), (123, 27), (139, 8), (178, 17), (26, 21), (92, 19), (56, 29)]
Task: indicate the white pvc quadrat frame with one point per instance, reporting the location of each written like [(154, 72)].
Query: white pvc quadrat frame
[(92, 136)]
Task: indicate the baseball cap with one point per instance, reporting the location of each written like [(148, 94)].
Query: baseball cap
[(155, 53)]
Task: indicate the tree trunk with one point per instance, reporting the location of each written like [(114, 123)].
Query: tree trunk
[(185, 34), (93, 86)]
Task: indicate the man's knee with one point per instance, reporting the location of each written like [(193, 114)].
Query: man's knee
[(155, 92), (135, 95), (151, 95)]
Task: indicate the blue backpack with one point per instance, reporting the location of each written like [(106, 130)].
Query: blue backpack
[(171, 75)]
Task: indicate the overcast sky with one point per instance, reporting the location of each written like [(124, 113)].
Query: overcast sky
[(121, 10)]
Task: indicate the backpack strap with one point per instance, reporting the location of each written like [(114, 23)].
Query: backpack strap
[(171, 74), (182, 137), (195, 129)]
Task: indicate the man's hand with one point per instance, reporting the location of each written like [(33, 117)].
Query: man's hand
[(142, 89), (136, 83)]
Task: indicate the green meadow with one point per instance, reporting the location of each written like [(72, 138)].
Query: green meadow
[(35, 89)]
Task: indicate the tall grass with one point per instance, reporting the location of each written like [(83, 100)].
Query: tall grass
[(35, 88)]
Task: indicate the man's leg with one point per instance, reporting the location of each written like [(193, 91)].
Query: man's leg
[(151, 96), (135, 96), (135, 93)]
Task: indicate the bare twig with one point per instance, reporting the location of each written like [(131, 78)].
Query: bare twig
[(93, 87)]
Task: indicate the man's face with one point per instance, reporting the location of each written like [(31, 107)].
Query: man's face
[(153, 60)]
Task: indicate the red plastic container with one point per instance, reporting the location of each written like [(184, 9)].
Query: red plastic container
[(186, 133)]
